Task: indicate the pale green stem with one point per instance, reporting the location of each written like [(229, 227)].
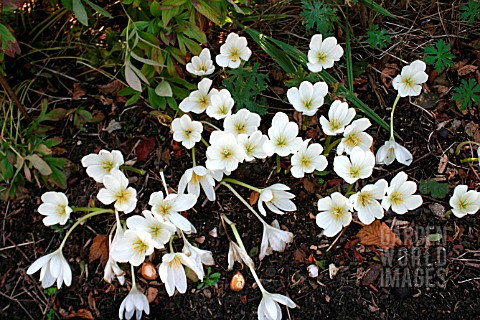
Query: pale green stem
[(134, 283), (85, 217), (349, 189), (85, 209), (330, 145), (164, 182), (171, 245), (243, 184), (242, 200), (133, 169), (211, 125), (461, 144), (193, 157), (391, 117), (304, 122), (469, 160), (205, 142), (279, 167)]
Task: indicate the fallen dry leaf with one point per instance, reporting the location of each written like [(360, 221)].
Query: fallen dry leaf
[(378, 234), (442, 165), (78, 91), (99, 249), (111, 88), (144, 147), (152, 294), (387, 74), (371, 274), (81, 314), (308, 185), (466, 69)]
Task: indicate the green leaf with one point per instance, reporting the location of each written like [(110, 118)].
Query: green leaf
[(58, 178), (439, 55), (214, 10), (99, 10), (434, 237), (80, 12), (163, 89), (471, 11), (6, 169), (467, 94), (39, 164), (378, 38), (376, 7), (55, 115), (436, 189), (319, 16)]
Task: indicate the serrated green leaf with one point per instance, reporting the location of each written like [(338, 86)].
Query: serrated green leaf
[(437, 190)]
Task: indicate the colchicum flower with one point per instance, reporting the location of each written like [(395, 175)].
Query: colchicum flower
[(170, 206), (359, 166), (186, 131), (366, 202), (133, 247), (252, 146), (235, 253), (55, 208), (54, 267), (269, 308), (464, 202), (282, 136), (390, 151), (339, 116), (273, 239), (353, 136), (199, 256), (103, 163), (234, 49), (334, 214), (400, 195), (172, 272), (221, 105), (201, 65), (224, 153), (112, 269), (308, 98), (134, 303), (323, 54), (242, 122), (160, 229), (117, 190), (195, 177), (308, 159), (199, 100), (277, 199), (409, 81)]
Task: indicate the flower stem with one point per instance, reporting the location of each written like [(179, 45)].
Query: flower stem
[(243, 184), (461, 144), (205, 142), (304, 122), (164, 182), (349, 189), (211, 125), (134, 282), (85, 217), (133, 169), (242, 200), (89, 209), (279, 167), (171, 245), (330, 145), (391, 117), (193, 157)]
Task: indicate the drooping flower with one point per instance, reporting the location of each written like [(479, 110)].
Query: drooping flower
[(134, 303), (221, 104), (199, 256), (172, 272), (273, 239), (133, 247), (160, 229), (358, 166), (308, 98), (252, 145), (282, 136), (308, 159), (334, 213), (200, 99), (339, 116), (112, 269), (103, 163), (366, 201), (242, 122), (277, 199), (269, 308), (323, 54), (55, 208), (409, 81), (54, 267), (354, 136), (171, 206), (201, 65), (236, 253), (195, 177), (464, 202), (117, 190), (186, 131), (390, 151), (400, 195), (234, 49), (224, 153)]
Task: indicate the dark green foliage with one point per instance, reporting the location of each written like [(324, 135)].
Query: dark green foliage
[(467, 94), (378, 38), (439, 55), (470, 11), (436, 189), (319, 16)]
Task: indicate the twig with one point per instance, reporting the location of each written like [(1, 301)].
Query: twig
[(338, 237), (13, 96), (19, 303)]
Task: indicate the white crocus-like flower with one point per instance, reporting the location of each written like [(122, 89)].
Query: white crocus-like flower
[(234, 49), (366, 201), (236, 253), (221, 104), (269, 308), (308, 159), (242, 122), (353, 136), (282, 136), (339, 116), (277, 199), (308, 98), (54, 267), (390, 151), (134, 303), (224, 153), (197, 177), (112, 269), (273, 239), (400, 195), (186, 131), (253, 145), (409, 81), (170, 206), (464, 202), (358, 166), (160, 229), (334, 213), (117, 190), (103, 163), (55, 208), (199, 100), (323, 54), (133, 247), (199, 256), (201, 65), (172, 272)]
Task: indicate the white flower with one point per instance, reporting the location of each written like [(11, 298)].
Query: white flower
[(359, 166), (134, 303), (282, 136), (366, 202), (172, 272), (464, 202), (332, 270), (195, 177), (308, 98), (242, 122), (312, 271), (234, 49), (201, 65), (170, 206), (308, 159), (235, 253), (334, 214), (186, 131), (55, 208), (323, 54), (112, 269), (199, 256), (133, 247), (224, 153), (353, 136), (277, 199), (269, 308), (253, 145), (160, 229), (273, 239), (103, 163), (390, 151), (400, 195), (221, 104), (409, 81), (339, 116), (54, 267), (199, 99), (117, 190)]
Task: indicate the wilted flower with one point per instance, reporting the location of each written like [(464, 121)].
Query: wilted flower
[(201, 65), (308, 98), (133, 247), (160, 229), (312, 270), (334, 213), (186, 131), (339, 116), (236, 253), (195, 177), (464, 202), (172, 272), (332, 270), (199, 256), (242, 122), (54, 267), (358, 166), (269, 308), (400, 195), (366, 202), (224, 153), (103, 163), (199, 99), (282, 136), (55, 208), (323, 54), (409, 81), (117, 190), (353, 136), (252, 145), (134, 303), (308, 159), (112, 269), (170, 206), (273, 239), (221, 104), (390, 151), (277, 199), (234, 49)]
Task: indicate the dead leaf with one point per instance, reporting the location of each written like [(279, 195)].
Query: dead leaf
[(309, 186), (299, 255), (81, 314), (152, 294), (144, 147), (387, 74), (99, 249), (466, 69), (78, 91), (253, 197), (443, 164), (378, 234), (298, 117), (112, 126), (371, 274), (111, 88)]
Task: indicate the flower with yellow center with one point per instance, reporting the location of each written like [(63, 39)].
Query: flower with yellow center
[(55, 208), (186, 131), (277, 199), (242, 122), (197, 177), (308, 97), (117, 191), (354, 136), (308, 159), (366, 202), (160, 229), (172, 273), (282, 136), (133, 247), (400, 195), (221, 105), (323, 53), (199, 100), (464, 202), (409, 81), (169, 208), (233, 51), (103, 163), (201, 65), (224, 153), (252, 145), (358, 166), (335, 213)]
